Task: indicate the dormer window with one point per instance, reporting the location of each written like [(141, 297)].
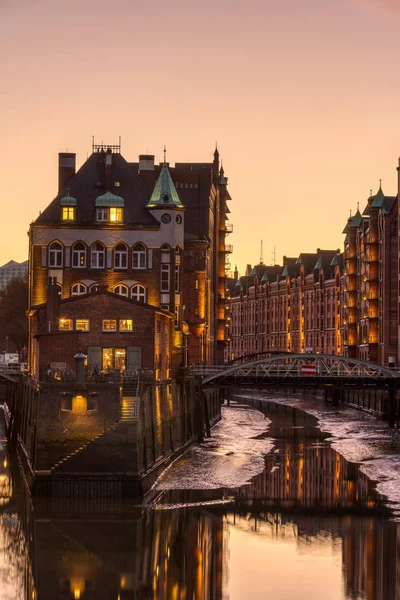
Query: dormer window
[(115, 215), (102, 214), (68, 213)]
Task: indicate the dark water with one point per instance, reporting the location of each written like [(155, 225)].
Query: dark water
[(307, 526)]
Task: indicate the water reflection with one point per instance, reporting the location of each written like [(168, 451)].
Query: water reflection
[(309, 526)]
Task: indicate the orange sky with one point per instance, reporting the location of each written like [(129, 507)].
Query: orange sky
[(302, 96)]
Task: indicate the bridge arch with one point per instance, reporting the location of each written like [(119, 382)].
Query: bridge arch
[(314, 368)]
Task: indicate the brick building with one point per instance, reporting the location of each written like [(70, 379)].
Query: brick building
[(121, 227), (13, 270), (288, 308), (371, 281)]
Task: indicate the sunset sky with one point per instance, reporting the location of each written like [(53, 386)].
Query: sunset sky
[(301, 95)]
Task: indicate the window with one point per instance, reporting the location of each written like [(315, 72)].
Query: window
[(139, 257), (196, 284), (116, 215), (178, 250), (78, 289), (68, 213), (138, 293), (165, 278), (125, 324), (121, 290), (176, 316), (121, 257), (165, 248), (82, 324), (165, 307), (79, 255), (55, 255), (177, 278), (109, 325), (102, 214), (178, 219), (65, 324), (98, 256)]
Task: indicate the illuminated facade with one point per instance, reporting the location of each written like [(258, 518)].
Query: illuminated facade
[(119, 229), (371, 281), (296, 307)]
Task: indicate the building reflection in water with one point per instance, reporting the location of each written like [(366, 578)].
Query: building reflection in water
[(309, 503)]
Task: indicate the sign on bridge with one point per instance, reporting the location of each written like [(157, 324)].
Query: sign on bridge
[(310, 370)]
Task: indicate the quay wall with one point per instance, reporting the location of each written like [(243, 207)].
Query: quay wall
[(73, 438)]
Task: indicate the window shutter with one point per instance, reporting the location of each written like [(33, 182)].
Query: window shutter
[(94, 357), (44, 257), (109, 258), (134, 358)]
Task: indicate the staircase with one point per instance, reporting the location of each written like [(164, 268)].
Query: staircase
[(82, 448), (130, 401)]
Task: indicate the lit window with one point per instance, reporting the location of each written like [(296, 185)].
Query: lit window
[(138, 293), (79, 255), (109, 325), (120, 257), (125, 324), (65, 325), (116, 215), (78, 289), (98, 256), (82, 324), (55, 255), (139, 257), (117, 184), (165, 278), (68, 213), (102, 214), (121, 290)]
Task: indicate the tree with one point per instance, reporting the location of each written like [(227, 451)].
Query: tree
[(13, 319)]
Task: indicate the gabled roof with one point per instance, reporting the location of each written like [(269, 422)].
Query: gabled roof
[(378, 199), (90, 182), (356, 220), (164, 193)]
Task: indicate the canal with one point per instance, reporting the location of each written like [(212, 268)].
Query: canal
[(281, 503)]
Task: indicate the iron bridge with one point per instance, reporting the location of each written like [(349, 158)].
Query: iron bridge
[(300, 370)]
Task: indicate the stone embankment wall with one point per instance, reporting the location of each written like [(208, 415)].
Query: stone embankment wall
[(71, 437)]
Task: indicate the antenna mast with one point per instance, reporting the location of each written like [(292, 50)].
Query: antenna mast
[(261, 254)]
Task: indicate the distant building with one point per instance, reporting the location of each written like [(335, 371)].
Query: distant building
[(13, 270), (294, 307)]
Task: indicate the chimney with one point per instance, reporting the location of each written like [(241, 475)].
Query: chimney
[(108, 163), (146, 168), (52, 305), (66, 168)]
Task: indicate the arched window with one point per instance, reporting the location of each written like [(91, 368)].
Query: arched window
[(121, 290), (139, 257), (120, 257), (165, 248), (138, 293), (78, 289), (79, 255), (98, 256), (55, 255), (178, 250)]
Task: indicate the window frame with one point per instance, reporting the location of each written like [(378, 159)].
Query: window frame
[(140, 295), (165, 283), (81, 321), (79, 253), (139, 256), (102, 214), (108, 330), (117, 212), (62, 321), (56, 253), (121, 329), (79, 293), (97, 253), (68, 210), (121, 285), (121, 256)]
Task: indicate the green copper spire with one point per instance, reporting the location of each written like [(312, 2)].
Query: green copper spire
[(164, 193), (379, 198)]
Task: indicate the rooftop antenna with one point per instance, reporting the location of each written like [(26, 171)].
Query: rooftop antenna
[(274, 256), (261, 254), (119, 141), (165, 154), (358, 206)]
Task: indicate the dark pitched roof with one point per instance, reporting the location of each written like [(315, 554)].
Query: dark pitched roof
[(89, 183)]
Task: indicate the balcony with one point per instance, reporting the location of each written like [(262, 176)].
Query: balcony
[(228, 248), (228, 228)]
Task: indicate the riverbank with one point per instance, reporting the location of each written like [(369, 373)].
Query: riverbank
[(358, 436)]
